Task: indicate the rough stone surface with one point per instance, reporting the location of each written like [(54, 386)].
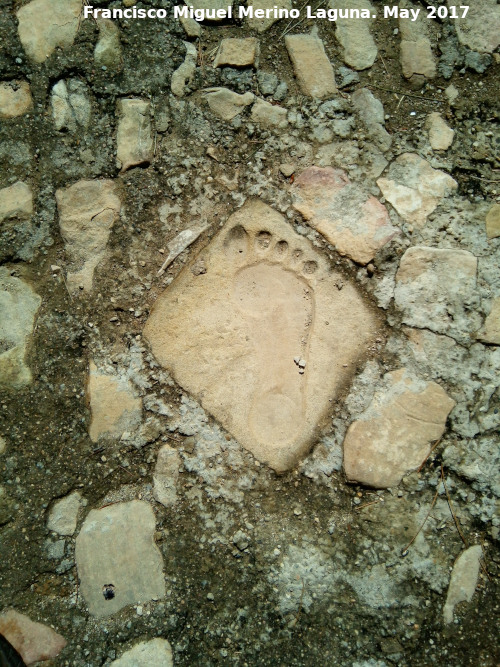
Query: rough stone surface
[(177, 245), (452, 94), (312, 68), (235, 52), (87, 211), (269, 115), (7, 510), (394, 435), (64, 514), (116, 547), (477, 459), (16, 201), (414, 188), (371, 112), (231, 335), (108, 50), (417, 57), (463, 580), (493, 222), (480, 29), (268, 82), (356, 224), (70, 105), (225, 104), (359, 48), (19, 305), (134, 139), (261, 25), (33, 641), (440, 135), (154, 653), (115, 409), (183, 75), (15, 98), (490, 333), (166, 475), (191, 27), (45, 25), (436, 289)]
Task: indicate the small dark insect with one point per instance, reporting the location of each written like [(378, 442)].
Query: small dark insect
[(9, 657), (108, 590), (292, 178)]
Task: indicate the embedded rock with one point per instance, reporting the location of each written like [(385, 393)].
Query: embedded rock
[(191, 27), (262, 24), (154, 653), (134, 139), (436, 289), (490, 333), (493, 222), (117, 559), (371, 112), (269, 115), (33, 641), (312, 68), (15, 98), (108, 50), (394, 435), (225, 104), (480, 29), (87, 211), (70, 105), (359, 48), (16, 201), (183, 75), (463, 580), (440, 135), (268, 82), (177, 245), (417, 58), (235, 52), (477, 459), (19, 305), (356, 224), (115, 409), (262, 337), (414, 188), (166, 475), (45, 25), (7, 507), (64, 514), (416, 49)]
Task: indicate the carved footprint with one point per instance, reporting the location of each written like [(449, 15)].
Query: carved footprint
[(263, 337), (272, 291)]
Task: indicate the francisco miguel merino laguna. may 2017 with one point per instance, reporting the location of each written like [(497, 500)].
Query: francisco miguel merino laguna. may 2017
[(241, 12)]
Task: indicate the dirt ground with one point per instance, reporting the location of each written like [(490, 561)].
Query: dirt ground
[(328, 572)]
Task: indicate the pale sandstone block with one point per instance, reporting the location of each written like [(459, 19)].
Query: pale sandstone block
[(312, 68), (262, 335)]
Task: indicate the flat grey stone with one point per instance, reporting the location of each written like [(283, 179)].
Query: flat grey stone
[(70, 105), (155, 653), (116, 554), (18, 307), (436, 289), (463, 580), (64, 513)]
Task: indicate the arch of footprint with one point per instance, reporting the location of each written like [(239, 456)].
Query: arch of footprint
[(257, 329)]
